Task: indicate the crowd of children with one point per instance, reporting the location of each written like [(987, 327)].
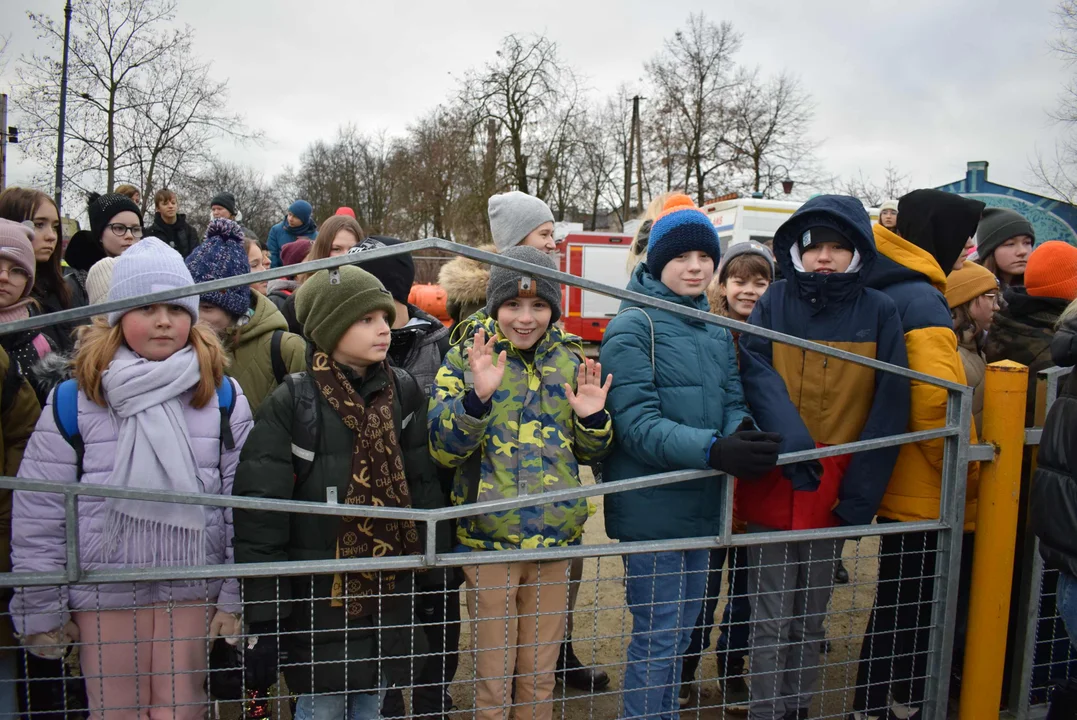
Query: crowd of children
[(331, 387)]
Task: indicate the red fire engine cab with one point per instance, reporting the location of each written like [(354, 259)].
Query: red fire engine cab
[(598, 256)]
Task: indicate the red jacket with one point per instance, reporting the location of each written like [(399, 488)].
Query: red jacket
[(772, 502)]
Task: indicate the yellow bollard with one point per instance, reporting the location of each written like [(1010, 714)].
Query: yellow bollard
[(1005, 389)]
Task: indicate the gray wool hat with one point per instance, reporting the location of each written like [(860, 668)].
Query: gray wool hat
[(997, 225), (513, 215), (506, 284), (748, 247)]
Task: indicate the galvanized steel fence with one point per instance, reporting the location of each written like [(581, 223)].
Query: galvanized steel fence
[(827, 633)]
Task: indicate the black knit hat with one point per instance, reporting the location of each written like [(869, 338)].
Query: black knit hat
[(105, 207), (226, 200), (397, 273)]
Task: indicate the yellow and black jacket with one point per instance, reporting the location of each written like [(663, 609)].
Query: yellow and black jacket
[(914, 281)]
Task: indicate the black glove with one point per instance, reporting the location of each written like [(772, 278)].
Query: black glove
[(262, 661), (747, 454)]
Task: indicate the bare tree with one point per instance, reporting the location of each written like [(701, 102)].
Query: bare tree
[(140, 107), (520, 91), (260, 202), (893, 186), (693, 77), (770, 120), (1057, 171)]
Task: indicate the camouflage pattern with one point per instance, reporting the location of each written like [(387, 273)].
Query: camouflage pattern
[(529, 443)]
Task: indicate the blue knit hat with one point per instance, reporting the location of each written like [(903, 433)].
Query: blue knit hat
[(150, 266), (302, 210), (681, 227), (222, 255)]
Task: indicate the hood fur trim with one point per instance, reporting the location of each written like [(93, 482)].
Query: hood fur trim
[(465, 279)]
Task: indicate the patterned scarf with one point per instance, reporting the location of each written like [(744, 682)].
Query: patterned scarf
[(377, 481)]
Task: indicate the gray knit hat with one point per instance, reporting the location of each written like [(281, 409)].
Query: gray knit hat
[(513, 215), (997, 225), (748, 247), (150, 266), (506, 284)]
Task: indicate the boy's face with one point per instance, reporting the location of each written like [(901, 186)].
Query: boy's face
[(689, 274), (541, 238), (826, 258), (168, 208), (741, 294), (523, 321), (293, 220), (219, 211), (366, 342), (213, 316)]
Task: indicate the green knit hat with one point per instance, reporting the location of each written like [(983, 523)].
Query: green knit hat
[(330, 302)]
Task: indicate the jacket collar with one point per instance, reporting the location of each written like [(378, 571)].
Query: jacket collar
[(914, 262)]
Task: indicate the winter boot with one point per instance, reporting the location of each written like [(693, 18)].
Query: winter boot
[(577, 676)]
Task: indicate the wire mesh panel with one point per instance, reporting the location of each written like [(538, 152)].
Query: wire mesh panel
[(710, 631)]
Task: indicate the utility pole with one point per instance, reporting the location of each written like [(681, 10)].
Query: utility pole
[(639, 152), (58, 186), (628, 159), (3, 141)]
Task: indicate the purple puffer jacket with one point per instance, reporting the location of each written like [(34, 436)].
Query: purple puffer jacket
[(38, 540)]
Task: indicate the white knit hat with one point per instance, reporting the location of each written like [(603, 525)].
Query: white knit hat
[(150, 266), (98, 280), (513, 215)]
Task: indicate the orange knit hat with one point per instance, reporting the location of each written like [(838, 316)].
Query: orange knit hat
[(1052, 271), (970, 282)]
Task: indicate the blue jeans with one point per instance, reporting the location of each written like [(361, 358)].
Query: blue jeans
[(664, 593), (360, 706), (1066, 602)]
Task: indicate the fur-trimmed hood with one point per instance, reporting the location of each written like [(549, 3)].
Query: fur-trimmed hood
[(465, 279)]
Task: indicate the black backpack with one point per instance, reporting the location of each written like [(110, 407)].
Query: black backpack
[(306, 416)]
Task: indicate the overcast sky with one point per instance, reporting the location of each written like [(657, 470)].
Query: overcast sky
[(922, 84)]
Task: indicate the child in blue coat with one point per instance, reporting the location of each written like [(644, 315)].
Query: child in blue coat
[(677, 404)]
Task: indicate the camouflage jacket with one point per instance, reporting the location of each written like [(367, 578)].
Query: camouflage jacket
[(529, 443)]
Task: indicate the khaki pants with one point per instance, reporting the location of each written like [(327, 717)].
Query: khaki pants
[(517, 624)]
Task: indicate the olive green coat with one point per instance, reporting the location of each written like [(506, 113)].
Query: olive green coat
[(250, 357)]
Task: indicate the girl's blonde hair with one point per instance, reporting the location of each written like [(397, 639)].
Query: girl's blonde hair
[(637, 253), (98, 344)]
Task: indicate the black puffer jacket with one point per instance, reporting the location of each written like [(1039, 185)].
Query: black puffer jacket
[(1053, 496), (328, 651)]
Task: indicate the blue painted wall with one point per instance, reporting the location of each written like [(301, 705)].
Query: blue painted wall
[(1052, 219)]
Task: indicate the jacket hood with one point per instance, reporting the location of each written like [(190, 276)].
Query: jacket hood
[(465, 279), (843, 214), (902, 261), (938, 222), (266, 319), (644, 283), (1064, 344), (1034, 312), (554, 336)]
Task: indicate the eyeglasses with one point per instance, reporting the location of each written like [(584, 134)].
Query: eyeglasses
[(119, 230)]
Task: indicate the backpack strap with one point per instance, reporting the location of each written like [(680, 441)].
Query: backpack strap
[(306, 423), (444, 344), (410, 393), (226, 400), (280, 370), (650, 323), (65, 412)]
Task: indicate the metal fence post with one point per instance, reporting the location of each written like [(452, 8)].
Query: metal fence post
[(951, 514), (1005, 389)]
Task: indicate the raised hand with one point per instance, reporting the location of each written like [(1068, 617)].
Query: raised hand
[(486, 375), (590, 394)]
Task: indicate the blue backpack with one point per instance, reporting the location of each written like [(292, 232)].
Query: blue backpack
[(65, 411)]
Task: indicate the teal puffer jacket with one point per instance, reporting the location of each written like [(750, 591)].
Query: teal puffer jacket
[(666, 415)]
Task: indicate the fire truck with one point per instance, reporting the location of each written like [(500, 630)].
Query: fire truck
[(598, 256)]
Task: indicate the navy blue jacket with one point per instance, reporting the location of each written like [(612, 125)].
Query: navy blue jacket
[(815, 400), (667, 414)]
